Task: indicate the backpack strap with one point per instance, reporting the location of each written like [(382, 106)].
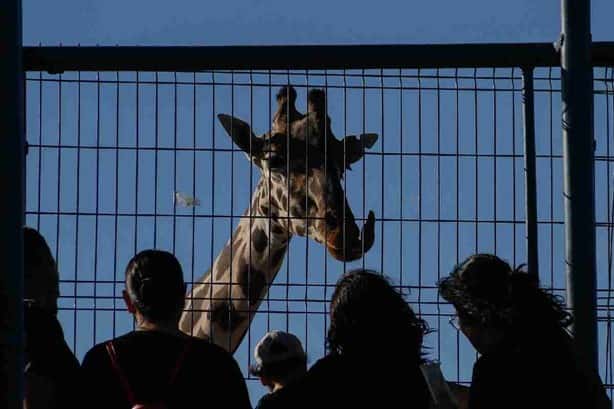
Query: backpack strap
[(124, 380), (120, 374)]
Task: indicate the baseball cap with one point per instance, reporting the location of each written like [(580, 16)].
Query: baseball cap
[(275, 348)]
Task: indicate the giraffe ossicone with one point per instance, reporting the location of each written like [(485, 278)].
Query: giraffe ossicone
[(299, 193)]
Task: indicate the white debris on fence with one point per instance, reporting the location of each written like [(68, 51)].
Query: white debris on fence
[(184, 200)]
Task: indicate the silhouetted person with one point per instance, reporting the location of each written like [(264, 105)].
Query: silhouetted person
[(526, 358), (375, 350), (280, 361), (157, 365), (51, 369)]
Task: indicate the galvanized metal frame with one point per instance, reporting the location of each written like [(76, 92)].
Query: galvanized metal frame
[(526, 56), (190, 59), (579, 175)]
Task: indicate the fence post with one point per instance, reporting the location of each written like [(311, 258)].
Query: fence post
[(530, 177), (11, 205), (579, 183)]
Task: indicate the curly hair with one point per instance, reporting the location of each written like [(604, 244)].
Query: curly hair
[(367, 312), (154, 280), (485, 289)]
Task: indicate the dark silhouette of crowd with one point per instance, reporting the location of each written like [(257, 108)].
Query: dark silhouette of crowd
[(375, 355)]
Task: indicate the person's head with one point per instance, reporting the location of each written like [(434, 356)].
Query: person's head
[(41, 278), (367, 313), (155, 290), (495, 303), (280, 359)]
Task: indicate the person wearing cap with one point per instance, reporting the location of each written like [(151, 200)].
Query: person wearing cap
[(280, 361), (520, 330), (51, 369)]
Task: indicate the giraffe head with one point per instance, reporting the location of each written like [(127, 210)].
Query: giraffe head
[(302, 165)]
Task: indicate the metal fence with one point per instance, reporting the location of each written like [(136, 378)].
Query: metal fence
[(114, 133)]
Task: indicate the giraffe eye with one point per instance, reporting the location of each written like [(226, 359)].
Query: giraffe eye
[(276, 162)]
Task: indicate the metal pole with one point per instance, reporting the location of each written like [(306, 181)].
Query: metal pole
[(11, 206), (579, 184), (529, 169)]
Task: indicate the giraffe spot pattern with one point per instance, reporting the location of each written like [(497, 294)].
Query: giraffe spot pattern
[(259, 240), (297, 212), (252, 282), (226, 316)]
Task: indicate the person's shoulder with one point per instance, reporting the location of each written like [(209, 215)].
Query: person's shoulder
[(323, 374), (99, 351), (204, 350), (267, 401), (327, 365), (207, 347), (328, 361), (290, 396), (95, 352)]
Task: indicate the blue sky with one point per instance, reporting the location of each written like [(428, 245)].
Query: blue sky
[(193, 22), (411, 253)]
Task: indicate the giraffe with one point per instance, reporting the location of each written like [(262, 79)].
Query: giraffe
[(299, 193)]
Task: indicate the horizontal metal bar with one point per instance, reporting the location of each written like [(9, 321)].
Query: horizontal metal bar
[(191, 59)]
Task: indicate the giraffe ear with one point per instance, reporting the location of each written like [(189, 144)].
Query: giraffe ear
[(241, 134), (355, 146)]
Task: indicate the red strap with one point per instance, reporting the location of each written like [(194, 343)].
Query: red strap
[(124, 380), (120, 373)]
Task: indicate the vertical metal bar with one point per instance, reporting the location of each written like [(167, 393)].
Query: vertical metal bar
[(382, 198), (290, 219), (174, 242), (528, 111), (232, 207), (364, 160), (551, 213), (40, 150), (97, 206), (194, 162), (494, 151), (12, 159), (401, 177), (610, 287), (420, 190), (438, 217), (156, 161), (77, 211), (579, 189), (457, 201), (476, 182), (116, 207), (307, 219), (269, 218), (513, 73), (136, 172), (213, 150)]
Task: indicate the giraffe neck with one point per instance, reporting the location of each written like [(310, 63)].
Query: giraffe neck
[(224, 301)]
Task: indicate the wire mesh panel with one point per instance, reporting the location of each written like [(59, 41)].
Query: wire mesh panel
[(604, 215), (123, 161)]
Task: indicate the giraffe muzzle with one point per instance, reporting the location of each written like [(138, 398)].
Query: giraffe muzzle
[(354, 243)]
